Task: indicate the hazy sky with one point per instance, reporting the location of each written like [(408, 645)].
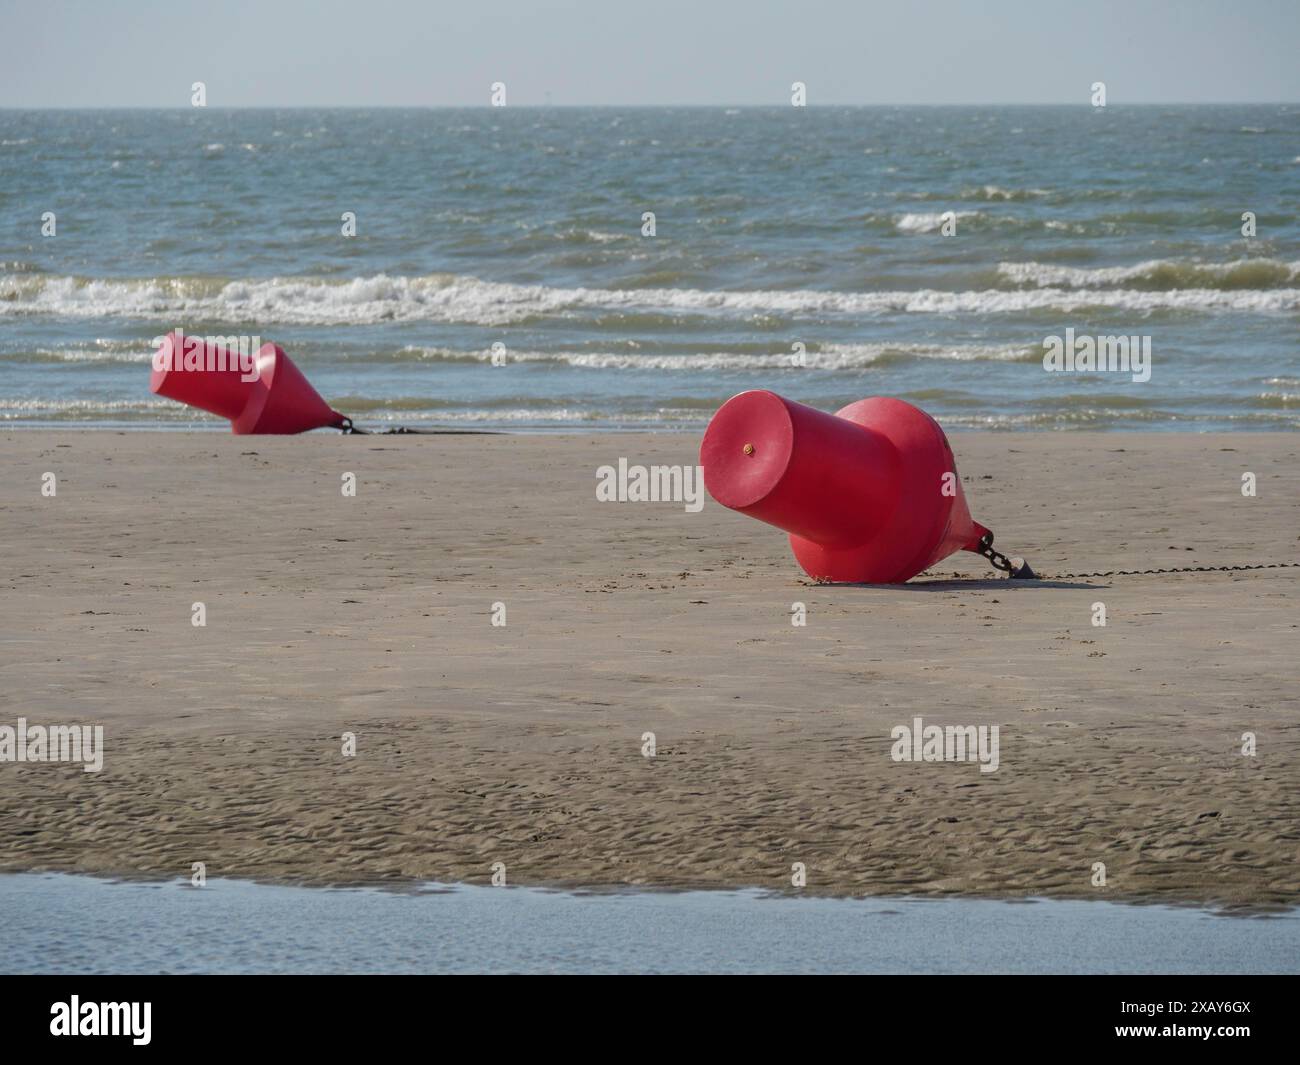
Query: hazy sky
[(81, 53)]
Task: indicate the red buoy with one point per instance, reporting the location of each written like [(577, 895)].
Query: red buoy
[(869, 495), (264, 393)]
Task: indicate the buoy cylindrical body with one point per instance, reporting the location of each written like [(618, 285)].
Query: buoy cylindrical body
[(868, 495), (208, 376), (799, 468)]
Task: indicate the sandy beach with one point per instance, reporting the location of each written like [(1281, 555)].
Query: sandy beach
[(522, 744)]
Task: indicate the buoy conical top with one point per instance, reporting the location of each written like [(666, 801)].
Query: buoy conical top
[(869, 494), (285, 401)]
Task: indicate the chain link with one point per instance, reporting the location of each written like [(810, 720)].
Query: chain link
[(1015, 568), (349, 429), (1000, 561), (1175, 569)]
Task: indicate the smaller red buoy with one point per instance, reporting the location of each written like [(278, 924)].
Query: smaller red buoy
[(869, 495), (264, 393)]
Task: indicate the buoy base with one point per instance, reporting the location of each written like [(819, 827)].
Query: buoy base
[(928, 523)]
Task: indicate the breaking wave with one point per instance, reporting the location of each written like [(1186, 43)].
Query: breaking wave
[(1160, 275), (823, 357), (929, 221), (467, 300), (748, 358)]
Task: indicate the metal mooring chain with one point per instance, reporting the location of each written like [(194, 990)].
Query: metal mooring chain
[(1023, 572), (999, 560), (403, 430), (1176, 569), (1017, 570)]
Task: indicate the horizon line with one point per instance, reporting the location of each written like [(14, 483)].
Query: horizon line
[(626, 106)]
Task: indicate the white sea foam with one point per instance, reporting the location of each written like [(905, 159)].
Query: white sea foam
[(14, 408), (450, 298), (1164, 274), (929, 221), (535, 415), (102, 351), (997, 193), (827, 357)]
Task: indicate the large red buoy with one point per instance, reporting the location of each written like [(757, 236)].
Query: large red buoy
[(264, 394), (869, 494)]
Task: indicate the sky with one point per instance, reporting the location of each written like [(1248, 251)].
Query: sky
[(432, 53)]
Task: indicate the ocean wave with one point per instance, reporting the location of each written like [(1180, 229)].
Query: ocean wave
[(1010, 221), (405, 410), (819, 357), (30, 404), (110, 351), (93, 410), (990, 194), (507, 410), (929, 221), (1103, 418), (995, 193), (1159, 275), (467, 300), (1274, 413), (831, 357)]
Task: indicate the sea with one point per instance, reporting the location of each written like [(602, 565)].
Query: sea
[(57, 923), (541, 269)]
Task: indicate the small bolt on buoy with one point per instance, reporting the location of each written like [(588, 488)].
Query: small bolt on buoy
[(749, 449)]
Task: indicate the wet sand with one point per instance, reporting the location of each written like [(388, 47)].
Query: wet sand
[(479, 744)]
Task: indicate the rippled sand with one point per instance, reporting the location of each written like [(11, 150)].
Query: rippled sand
[(522, 744)]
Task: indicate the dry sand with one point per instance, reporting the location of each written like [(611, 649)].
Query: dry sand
[(479, 744)]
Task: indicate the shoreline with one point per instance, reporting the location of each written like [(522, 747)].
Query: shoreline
[(582, 889), (415, 428), (522, 744)]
